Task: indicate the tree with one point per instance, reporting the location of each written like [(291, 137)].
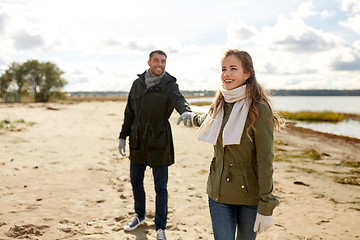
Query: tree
[(42, 79), (50, 81), (18, 73), (5, 81)]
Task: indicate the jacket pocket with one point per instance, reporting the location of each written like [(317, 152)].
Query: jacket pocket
[(251, 181), (236, 180), (157, 136), (134, 139)]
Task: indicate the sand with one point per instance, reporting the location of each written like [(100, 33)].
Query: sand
[(61, 177)]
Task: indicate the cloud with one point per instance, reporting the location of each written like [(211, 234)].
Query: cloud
[(308, 41), (350, 5), (3, 20), (99, 70), (295, 36), (339, 65), (325, 14), (352, 23), (240, 32), (132, 43), (26, 41), (305, 10)]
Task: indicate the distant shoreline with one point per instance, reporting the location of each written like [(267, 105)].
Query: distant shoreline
[(211, 93)]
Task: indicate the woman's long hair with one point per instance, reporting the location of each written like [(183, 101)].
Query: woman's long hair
[(254, 91)]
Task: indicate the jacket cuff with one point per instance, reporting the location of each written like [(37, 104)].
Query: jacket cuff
[(267, 208), (122, 135)]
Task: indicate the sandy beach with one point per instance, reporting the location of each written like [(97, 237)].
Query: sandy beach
[(63, 178)]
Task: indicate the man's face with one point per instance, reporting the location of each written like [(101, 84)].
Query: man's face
[(157, 64)]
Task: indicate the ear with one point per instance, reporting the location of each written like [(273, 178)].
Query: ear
[(247, 75), (149, 62)]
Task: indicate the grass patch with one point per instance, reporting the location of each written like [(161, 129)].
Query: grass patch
[(354, 164), (281, 158), (312, 154), (203, 171), (280, 149), (93, 99), (325, 116), (5, 124), (200, 103), (17, 125), (355, 171), (349, 180), (307, 170), (276, 142), (282, 155)]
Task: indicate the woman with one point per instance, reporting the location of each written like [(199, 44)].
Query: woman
[(240, 125)]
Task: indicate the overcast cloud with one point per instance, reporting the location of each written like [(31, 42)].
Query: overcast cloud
[(102, 45)]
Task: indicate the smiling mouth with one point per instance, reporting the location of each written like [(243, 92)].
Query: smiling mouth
[(228, 81)]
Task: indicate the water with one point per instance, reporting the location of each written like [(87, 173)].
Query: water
[(339, 104)]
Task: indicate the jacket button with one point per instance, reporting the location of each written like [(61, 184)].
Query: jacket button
[(242, 186), (231, 164), (228, 179)]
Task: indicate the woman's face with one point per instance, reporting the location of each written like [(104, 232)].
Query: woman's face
[(233, 74)]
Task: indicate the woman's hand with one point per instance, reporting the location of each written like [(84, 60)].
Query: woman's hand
[(262, 223)]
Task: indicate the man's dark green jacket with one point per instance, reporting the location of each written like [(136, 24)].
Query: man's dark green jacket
[(146, 120)]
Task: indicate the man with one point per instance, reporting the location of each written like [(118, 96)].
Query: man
[(151, 101)]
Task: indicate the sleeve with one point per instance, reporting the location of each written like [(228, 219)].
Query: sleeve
[(264, 139), (128, 117), (178, 100), (199, 119)]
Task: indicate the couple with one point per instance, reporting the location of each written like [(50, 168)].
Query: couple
[(240, 125)]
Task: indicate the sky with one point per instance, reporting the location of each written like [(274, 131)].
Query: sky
[(103, 45)]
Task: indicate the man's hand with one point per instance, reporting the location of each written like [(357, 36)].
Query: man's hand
[(121, 146), (187, 118), (262, 223)]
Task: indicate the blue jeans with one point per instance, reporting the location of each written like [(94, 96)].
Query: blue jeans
[(226, 218), (160, 175)]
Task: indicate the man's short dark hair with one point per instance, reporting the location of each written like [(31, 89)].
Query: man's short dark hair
[(158, 52)]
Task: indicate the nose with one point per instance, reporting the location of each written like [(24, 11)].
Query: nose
[(226, 73)]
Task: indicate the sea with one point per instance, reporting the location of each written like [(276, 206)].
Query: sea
[(339, 104)]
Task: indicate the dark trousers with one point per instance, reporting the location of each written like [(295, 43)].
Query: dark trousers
[(160, 175)]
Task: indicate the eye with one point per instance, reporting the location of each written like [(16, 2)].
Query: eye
[(223, 70), (234, 68)]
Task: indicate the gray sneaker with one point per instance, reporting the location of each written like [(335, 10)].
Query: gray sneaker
[(160, 235), (134, 223)]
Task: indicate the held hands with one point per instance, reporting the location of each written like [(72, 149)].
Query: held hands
[(262, 223), (121, 146), (187, 118)]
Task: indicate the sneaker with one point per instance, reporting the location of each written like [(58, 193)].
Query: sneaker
[(160, 235), (134, 223)]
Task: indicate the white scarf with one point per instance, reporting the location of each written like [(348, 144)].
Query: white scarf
[(234, 127)]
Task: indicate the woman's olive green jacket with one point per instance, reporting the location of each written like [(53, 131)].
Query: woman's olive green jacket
[(241, 174), (146, 120)]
